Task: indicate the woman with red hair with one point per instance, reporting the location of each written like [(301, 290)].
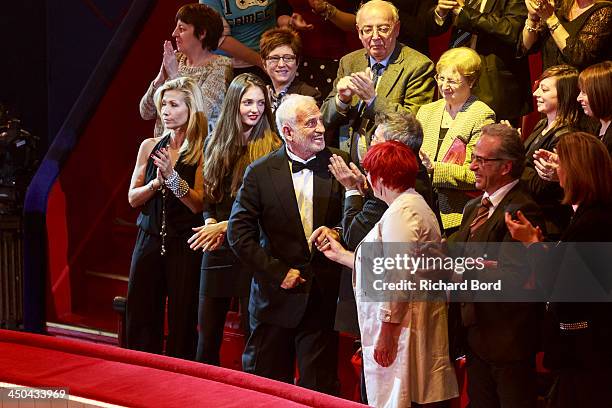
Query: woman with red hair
[(405, 343)]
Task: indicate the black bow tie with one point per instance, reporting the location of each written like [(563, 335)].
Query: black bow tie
[(312, 165)]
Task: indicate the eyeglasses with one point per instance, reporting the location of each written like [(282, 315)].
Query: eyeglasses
[(287, 59), (450, 82), (482, 160), (382, 30)]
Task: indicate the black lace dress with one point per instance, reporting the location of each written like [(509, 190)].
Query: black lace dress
[(589, 41)]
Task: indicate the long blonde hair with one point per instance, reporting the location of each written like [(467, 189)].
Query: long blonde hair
[(197, 124), (226, 154)]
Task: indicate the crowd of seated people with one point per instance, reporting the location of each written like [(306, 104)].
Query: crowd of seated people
[(243, 200)]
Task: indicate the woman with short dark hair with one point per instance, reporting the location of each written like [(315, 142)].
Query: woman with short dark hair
[(281, 52), (197, 32)]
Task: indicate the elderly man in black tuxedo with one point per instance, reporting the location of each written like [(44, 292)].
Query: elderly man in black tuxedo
[(284, 197), (385, 75), (500, 338)]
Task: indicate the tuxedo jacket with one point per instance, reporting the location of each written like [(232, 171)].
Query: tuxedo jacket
[(406, 84), (451, 180), (504, 82), (266, 233), (501, 331)]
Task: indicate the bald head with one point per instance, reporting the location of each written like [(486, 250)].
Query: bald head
[(380, 6), (378, 27)]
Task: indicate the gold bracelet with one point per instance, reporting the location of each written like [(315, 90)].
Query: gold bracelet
[(553, 27)]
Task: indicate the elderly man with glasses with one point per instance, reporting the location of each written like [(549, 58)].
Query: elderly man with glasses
[(384, 75)]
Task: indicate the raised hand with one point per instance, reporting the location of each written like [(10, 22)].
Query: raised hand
[(363, 85), (169, 60), (546, 164), (445, 6), (506, 123), (532, 6), (545, 9), (318, 6), (163, 161), (350, 177), (344, 88), (299, 24), (522, 230)]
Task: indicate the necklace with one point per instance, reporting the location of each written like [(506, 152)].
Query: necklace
[(162, 250)]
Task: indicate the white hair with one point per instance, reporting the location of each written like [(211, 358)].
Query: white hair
[(286, 113), (378, 3)]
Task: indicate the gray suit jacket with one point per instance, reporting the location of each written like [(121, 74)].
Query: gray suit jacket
[(407, 83)]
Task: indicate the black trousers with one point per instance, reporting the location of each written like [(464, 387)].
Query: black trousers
[(508, 385), (153, 279), (212, 312), (271, 352)]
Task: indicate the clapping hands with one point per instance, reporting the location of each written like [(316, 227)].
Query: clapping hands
[(360, 84), (169, 60), (446, 6), (543, 8), (546, 164), (163, 162)]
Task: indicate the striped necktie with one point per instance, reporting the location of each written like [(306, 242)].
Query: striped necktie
[(481, 216), (377, 72), (463, 38)]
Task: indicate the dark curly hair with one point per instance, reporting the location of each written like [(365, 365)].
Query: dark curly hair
[(205, 20)]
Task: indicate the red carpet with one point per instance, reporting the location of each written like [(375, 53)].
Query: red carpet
[(136, 379)]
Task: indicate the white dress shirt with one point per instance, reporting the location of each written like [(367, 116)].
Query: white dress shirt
[(303, 185), (499, 195)]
